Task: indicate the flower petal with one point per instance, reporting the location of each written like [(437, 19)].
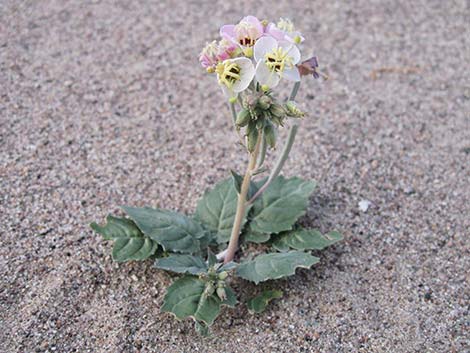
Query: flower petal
[(247, 72), (228, 32), (275, 32), (292, 51), (265, 76), (255, 22), (291, 74), (264, 45)]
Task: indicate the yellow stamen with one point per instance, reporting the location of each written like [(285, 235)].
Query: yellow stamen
[(248, 52), (228, 73), (277, 60)]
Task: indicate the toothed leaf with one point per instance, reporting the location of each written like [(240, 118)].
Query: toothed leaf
[(259, 303), (182, 264), (129, 242), (281, 205), (305, 239), (274, 265), (217, 209), (173, 231), (256, 237), (188, 297)]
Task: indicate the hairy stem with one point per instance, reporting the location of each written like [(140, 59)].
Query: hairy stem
[(280, 162), (241, 205), (234, 118), (295, 89)]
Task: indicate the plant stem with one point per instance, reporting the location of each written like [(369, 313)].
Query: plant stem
[(280, 162), (234, 118), (241, 205), (295, 89)]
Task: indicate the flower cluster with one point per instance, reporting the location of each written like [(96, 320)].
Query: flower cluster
[(256, 53)]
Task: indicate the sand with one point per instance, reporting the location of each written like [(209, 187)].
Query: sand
[(103, 103)]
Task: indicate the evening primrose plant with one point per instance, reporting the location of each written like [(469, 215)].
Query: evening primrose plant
[(246, 225)]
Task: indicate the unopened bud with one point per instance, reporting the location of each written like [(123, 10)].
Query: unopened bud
[(293, 111), (223, 275), (270, 135), (210, 69), (209, 290), (265, 88), (252, 138), (277, 110), (250, 101), (221, 293), (232, 100), (243, 118), (264, 102)]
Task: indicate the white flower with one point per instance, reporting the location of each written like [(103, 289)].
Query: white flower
[(275, 60), (235, 75)]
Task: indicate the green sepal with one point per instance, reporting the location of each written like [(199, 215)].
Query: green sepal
[(252, 137)]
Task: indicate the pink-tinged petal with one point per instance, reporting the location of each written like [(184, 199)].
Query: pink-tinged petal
[(263, 46), (291, 74), (255, 22), (228, 32), (275, 32), (291, 50)]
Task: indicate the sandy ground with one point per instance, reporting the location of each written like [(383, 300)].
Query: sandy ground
[(102, 103)]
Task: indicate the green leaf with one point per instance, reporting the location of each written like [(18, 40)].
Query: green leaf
[(201, 328), (129, 242), (182, 264), (186, 297), (237, 180), (228, 266), (217, 209), (172, 230), (211, 258), (231, 300), (259, 303), (280, 244), (133, 249), (281, 204), (306, 239), (256, 237), (117, 228), (274, 265)]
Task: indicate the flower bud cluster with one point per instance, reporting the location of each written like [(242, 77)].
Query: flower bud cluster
[(261, 112), (215, 282)]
